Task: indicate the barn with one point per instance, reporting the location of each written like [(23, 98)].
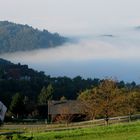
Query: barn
[(66, 109)]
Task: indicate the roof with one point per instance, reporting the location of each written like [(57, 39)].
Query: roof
[(64, 107)]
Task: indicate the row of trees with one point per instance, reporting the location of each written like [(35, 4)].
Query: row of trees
[(102, 101), (21, 106), (107, 100), (36, 81)]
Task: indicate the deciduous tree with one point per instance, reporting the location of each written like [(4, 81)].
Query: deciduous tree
[(105, 100), (130, 103), (110, 98), (65, 115), (46, 94), (90, 103), (17, 105)]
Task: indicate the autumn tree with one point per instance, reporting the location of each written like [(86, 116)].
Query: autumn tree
[(105, 100), (137, 100), (130, 103), (110, 98), (90, 103)]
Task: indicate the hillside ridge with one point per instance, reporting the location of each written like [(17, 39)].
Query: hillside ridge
[(18, 37)]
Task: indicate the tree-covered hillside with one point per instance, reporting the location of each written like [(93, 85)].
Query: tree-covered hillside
[(22, 79), (17, 37), (36, 88)]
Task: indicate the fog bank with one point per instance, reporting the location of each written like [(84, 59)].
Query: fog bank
[(99, 56)]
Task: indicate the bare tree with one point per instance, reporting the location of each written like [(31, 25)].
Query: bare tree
[(65, 115)]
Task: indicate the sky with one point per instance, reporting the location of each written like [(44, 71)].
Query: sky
[(72, 16), (108, 39)]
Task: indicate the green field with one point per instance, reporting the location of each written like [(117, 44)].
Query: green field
[(125, 131), (129, 131)]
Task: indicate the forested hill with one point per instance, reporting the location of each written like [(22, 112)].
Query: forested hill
[(18, 78), (4, 62), (17, 37), (11, 71)]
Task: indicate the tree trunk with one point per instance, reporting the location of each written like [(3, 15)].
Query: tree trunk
[(106, 118), (129, 116), (17, 116)]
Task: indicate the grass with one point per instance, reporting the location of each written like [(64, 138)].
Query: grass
[(128, 131), (124, 131)]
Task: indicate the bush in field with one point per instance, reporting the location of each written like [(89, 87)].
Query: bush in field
[(15, 137), (19, 137)]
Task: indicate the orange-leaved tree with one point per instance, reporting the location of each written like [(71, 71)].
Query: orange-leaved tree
[(105, 100)]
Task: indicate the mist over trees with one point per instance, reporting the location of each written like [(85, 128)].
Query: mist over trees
[(17, 37)]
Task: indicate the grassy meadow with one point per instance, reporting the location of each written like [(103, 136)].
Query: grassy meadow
[(128, 131), (124, 131)]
